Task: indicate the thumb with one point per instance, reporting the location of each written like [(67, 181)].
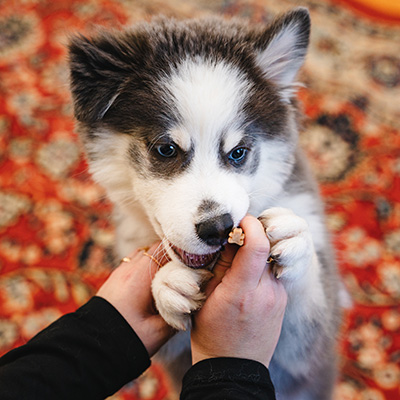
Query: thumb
[(223, 264), (251, 259)]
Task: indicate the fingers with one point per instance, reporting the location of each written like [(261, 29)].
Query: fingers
[(223, 264), (249, 264)]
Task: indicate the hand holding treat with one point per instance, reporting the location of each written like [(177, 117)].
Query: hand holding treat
[(236, 236), (244, 301)]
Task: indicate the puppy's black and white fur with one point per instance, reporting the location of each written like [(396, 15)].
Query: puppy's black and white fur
[(189, 125)]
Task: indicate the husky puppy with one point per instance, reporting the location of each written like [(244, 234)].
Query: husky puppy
[(189, 125)]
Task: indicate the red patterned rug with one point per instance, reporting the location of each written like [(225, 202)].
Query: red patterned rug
[(55, 236)]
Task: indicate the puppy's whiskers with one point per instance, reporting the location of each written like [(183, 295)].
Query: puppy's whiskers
[(160, 253)]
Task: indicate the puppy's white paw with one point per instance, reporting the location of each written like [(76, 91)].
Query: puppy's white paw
[(291, 242), (177, 293)]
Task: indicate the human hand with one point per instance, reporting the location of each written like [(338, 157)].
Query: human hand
[(242, 316), (128, 289)]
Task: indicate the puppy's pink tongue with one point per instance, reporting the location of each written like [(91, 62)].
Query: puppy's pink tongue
[(195, 260)]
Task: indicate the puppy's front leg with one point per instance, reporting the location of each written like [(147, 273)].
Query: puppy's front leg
[(306, 319), (292, 249), (177, 293), (306, 351)]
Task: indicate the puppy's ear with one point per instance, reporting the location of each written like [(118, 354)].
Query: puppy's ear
[(99, 69), (282, 47)]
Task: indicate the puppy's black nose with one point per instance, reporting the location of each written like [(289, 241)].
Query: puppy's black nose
[(215, 231)]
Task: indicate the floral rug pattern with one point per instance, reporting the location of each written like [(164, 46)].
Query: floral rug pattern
[(55, 235)]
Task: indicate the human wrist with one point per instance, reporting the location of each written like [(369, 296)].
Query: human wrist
[(257, 353), (154, 333), (198, 356), (150, 329)]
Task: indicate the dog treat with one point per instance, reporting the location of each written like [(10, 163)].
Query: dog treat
[(236, 235)]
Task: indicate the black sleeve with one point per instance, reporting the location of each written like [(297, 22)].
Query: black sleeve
[(88, 354), (227, 379)]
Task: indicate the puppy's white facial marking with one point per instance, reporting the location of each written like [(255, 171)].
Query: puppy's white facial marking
[(208, 96), (232, 139), (181, 137)]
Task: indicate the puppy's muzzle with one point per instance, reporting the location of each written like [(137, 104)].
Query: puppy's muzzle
[(215, 231)]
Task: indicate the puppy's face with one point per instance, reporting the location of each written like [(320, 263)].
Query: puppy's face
[(193, 120)]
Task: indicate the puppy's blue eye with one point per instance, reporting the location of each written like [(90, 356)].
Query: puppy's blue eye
[(237, 156), (166, 150)]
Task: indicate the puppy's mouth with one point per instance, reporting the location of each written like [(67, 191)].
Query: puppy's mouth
[(196, 260)]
